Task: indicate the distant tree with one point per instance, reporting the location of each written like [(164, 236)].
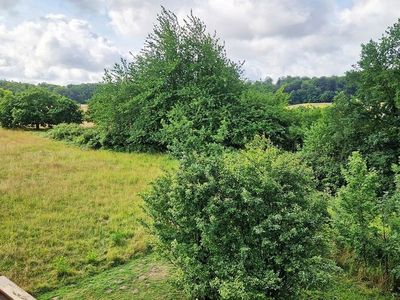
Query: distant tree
[(6, 100), (81, 93), (31, 108), (314, 90), (39, 107), (241, 225), (65, 110)]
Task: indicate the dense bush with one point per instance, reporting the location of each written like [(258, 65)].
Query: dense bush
[(241, 225), (263, 113), (78, 135), (37, 107)]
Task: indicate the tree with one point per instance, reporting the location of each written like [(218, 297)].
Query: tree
[(265, 114), (39, 107), (182, 71), (241, 225), (6, 100), (65, 110), (31, 108), (367, 224), (357, 207), (367, 122)]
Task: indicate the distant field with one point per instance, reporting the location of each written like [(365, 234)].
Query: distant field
[(323, 104), (65, 212), (84, 107)]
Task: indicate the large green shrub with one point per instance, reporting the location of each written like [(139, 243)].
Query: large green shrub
[(181, 67), (241, 225)]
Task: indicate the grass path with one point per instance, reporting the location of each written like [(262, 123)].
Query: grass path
[(66, 212)]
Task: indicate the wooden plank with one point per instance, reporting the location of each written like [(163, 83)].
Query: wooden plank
[(10, 291)]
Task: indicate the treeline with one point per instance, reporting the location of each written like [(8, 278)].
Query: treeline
[(80, 93), (300, 89), (309, 90)]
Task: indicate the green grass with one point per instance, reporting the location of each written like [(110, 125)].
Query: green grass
[(67, 213), (347, 289), (146, 278), (140, 279)]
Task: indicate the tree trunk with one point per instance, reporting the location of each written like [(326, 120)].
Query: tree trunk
[(37, 126)]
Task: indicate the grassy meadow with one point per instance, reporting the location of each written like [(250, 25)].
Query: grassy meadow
[(67, 213), (71, 224)]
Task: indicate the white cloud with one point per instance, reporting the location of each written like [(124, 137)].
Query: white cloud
[(54, 49), (8, 4), (274, 37)]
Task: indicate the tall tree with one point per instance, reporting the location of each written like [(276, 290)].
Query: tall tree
[(182, 72), (369, 121)]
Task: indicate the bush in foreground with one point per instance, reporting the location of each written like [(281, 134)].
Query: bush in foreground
[(241, 225)]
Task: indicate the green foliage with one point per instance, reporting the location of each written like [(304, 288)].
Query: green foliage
[(182, 93), (6, 100), (80, 93), (78, 135), (368, 225), (182, 72), (241, 225), (37, 107), (263, 113), (65, 110), (358, 207), (311, 90), (368, 122)]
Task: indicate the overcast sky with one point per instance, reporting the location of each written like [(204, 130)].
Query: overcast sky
[(72, 41)]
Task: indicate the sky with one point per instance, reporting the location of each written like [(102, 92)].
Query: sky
[(73, 41)]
